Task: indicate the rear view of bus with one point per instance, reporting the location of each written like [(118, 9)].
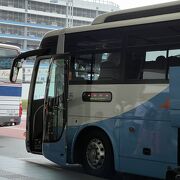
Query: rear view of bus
[(10, 94)]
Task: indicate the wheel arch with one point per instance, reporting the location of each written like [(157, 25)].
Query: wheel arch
[(80, 138)]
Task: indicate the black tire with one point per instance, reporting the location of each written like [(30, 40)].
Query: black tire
[(97, 147)]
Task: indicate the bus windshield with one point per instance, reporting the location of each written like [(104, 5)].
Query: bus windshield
[(7, 57)]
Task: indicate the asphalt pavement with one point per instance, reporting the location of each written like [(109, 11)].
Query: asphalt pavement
[(16, 163)]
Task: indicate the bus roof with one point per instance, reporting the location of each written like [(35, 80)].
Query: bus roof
[(168, 11), (133, 13), (8, 46)]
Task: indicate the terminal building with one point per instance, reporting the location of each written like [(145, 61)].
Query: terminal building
[(24, 22)]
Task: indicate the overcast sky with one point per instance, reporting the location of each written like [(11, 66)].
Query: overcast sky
[(125, 4)]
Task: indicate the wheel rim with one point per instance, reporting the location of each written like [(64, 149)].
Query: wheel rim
[(95, 153)]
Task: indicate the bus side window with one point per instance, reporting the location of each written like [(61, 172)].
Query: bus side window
[(134, 62), (96, 67), (80, 68), (146, 65), (173, 61), (155, 69), (110, 69), (155, 65)]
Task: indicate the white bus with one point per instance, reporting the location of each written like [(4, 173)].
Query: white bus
[(10, 94), (112, 95)]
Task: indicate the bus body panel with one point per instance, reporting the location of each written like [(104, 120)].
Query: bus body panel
[(128, 153), (10, 104), (175, 88), (59, 151), (10, 94), (125, 97), (147, 117), (145, 168)]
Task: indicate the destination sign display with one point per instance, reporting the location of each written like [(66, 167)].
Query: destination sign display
[(97, 96)]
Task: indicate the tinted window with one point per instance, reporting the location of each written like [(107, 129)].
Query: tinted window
[(99, 67), (94, 40), (155, 65), (150, 51), (145, 53)]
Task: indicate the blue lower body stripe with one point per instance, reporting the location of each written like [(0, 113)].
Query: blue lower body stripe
[(10, 91)]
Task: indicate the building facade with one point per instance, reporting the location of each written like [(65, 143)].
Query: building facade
[(24, 22)]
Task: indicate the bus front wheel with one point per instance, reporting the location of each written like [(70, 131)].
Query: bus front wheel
[(98, 156)]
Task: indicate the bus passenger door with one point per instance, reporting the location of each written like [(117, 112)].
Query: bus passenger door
[(34, 127), (54, 146)]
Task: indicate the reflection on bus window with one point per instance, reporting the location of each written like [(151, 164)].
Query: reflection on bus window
[(154, 65), (41, 79), (93, 67)]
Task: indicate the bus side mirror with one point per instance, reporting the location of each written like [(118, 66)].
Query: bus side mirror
[(15, 70), (17, 63)]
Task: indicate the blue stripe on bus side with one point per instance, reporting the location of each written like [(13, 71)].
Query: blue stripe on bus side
[(10, 91)]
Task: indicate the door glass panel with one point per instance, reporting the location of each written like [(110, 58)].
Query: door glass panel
[(54, 102), (41, 79)]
